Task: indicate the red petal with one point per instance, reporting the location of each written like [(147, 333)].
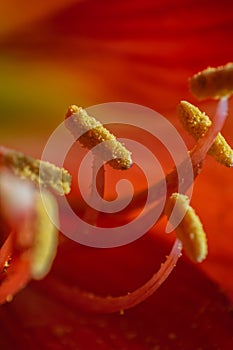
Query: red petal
[(17, 274)]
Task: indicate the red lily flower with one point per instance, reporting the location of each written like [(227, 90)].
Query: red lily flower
[(142, 52)]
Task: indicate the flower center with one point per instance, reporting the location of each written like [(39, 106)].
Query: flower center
[(29, 250)]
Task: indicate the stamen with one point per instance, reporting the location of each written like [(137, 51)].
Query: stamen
[(98, 175), (213, 82), (189, 230), (42, 173), (46, 236), (197, 123), (88, 301), (93, 133), (35, 258), (30, 248), (198, 153)]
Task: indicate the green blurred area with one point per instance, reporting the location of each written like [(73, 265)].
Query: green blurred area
[(34, 96)]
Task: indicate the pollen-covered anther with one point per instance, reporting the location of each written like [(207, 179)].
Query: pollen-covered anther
[(90, 132), (190, 230), (197, 123), (45, 235), (213, 82), (40, 172)]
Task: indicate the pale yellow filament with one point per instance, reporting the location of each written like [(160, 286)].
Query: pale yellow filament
[(46, 235)]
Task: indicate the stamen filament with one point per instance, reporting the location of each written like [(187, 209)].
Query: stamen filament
[(197, 156), (45, 235), (88, 301), (98, 176), (92, 132)]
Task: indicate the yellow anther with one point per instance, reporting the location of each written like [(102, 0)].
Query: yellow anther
[(197, 123), (93, 133), (213, 82), (46, 235), (190, 230), (40, 172)]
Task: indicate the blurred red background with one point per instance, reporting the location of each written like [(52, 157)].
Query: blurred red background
[(57, 53)]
